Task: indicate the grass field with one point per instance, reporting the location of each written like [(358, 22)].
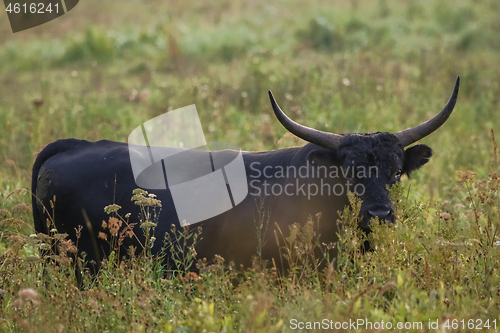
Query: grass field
[(341, 66)]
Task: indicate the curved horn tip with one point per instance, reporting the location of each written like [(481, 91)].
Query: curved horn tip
[(273, 101), (454, 94), (411, 135), (271, 97), (324, 139), (457, 84)]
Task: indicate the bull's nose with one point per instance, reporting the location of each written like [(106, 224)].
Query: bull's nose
[(382, 214)]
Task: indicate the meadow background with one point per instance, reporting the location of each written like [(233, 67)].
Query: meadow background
[(341, 66)]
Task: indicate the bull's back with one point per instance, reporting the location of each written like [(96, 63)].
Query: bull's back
[(75, 179)]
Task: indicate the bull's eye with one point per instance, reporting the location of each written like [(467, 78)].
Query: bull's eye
[(397, 175)]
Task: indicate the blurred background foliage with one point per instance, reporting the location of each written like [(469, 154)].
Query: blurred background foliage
[(341, 66), (349, 66)]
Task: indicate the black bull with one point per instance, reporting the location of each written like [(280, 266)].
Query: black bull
[(84, 177)]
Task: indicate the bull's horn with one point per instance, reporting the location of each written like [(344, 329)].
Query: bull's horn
[(323, 139), (411, 135)]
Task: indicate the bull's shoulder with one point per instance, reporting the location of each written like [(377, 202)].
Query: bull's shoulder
[(272, 154), (290, 156)]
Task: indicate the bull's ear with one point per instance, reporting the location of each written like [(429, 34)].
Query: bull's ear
[(415, 157), (321, 157)]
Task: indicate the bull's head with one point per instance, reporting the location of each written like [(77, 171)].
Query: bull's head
[(380, 152)]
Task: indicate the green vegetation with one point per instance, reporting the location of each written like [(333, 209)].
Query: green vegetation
[(343, 66)]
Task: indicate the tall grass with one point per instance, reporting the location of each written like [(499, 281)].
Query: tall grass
[(438, 263)]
